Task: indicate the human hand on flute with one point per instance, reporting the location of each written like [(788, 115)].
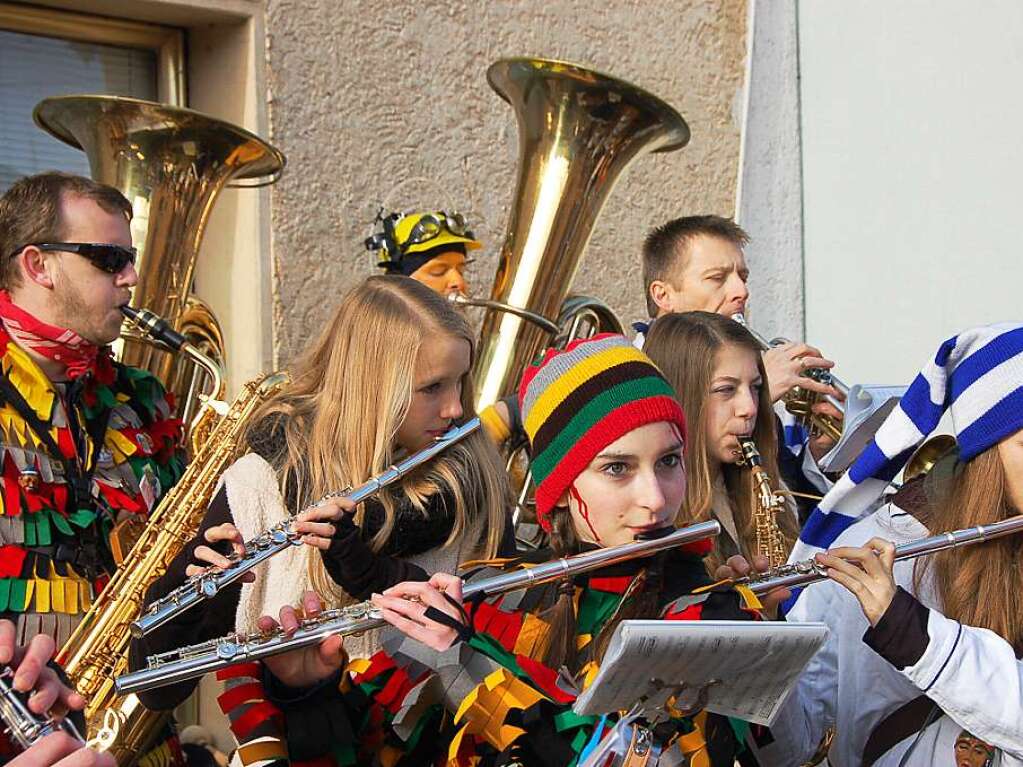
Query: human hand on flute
[(867, 572), (410, 606), (407, 606), (738, 567), (314, 525)]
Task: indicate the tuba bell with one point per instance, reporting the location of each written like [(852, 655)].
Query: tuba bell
[(171, 163), (578, 130)]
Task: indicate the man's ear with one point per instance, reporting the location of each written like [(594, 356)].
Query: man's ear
[(36, 266), (659, 293)]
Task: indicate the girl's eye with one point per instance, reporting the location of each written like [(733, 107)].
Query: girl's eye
[(615, 469), (723, 390), (672, 460), (431, 388)]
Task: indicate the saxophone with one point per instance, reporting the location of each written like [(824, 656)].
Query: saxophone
[(98, 649), (770, 542)]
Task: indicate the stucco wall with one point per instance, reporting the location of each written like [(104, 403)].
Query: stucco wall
[(379, 103)]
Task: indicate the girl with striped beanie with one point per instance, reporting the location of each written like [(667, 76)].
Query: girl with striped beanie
[(493, 682), (923, 656)]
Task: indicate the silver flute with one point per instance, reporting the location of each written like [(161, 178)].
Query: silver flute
[(20, 724), (208, 583), (196, 660), (808, 571)]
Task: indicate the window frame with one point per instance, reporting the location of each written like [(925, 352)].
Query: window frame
[(168, 43)]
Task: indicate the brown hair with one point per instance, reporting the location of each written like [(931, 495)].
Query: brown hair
[(666, 247), (980, 585), (349, 394), (32, 211), (557, 646), (685, 347)]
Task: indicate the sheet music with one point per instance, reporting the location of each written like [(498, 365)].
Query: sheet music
[(756, 665), (866, 407)]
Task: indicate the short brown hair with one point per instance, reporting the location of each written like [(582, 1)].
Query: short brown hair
[(30, 211), (666, 245)]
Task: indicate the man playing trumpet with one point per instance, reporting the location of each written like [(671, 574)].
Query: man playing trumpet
[(696, 263)]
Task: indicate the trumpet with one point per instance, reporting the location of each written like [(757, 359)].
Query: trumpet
[(22, 726), (798, 400), (208, 583), (808, 571), (196, 660)]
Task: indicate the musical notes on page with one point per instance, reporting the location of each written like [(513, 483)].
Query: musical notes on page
[(733, 668)]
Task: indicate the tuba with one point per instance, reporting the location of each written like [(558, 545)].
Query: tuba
[(171, 163), (578, 130)]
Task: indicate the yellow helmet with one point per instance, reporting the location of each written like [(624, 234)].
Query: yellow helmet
[(407, 234)]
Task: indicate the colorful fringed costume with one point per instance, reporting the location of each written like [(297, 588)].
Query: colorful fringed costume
[(55, 553), (488, 700)]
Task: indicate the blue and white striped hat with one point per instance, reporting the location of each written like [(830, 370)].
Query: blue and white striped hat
[(978, 376)]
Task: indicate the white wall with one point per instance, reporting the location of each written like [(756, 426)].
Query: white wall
[(769, 196), (912, 157)]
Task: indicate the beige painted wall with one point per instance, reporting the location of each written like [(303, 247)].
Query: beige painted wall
[(378, 103)]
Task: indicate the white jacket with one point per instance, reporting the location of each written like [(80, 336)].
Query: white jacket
[(970, 673)]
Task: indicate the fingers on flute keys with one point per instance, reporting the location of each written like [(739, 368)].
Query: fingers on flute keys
[(315, 523), (406, 607), (212, 555), (867, 572)]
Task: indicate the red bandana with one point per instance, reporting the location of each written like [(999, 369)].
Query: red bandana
[(59, 344)]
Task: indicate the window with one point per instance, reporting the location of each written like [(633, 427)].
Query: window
[(51, 53)]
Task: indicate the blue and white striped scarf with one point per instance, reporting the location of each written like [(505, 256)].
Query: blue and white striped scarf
[(978, 375)]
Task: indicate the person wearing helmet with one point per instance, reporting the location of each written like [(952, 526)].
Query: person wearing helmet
[(430, 247)]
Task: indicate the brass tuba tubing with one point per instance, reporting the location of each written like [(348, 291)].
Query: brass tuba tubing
[(578, 130), (808, 571), (208, 583), (191, 662), (171, 163)]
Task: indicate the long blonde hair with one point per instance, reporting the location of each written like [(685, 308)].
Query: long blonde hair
[(350, 391), (979, 585), (685, 347)]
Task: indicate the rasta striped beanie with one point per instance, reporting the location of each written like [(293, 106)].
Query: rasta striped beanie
[(577, 401)]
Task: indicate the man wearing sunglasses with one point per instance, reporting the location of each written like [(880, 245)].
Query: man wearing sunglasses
[(88, 446), (428, 247)]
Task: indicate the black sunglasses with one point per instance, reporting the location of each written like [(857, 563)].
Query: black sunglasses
[(110, 258)]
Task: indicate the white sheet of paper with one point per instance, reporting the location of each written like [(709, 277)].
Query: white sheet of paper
[(866, 407), (756, 664)]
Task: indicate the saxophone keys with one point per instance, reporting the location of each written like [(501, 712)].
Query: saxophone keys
[(107, 734)]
